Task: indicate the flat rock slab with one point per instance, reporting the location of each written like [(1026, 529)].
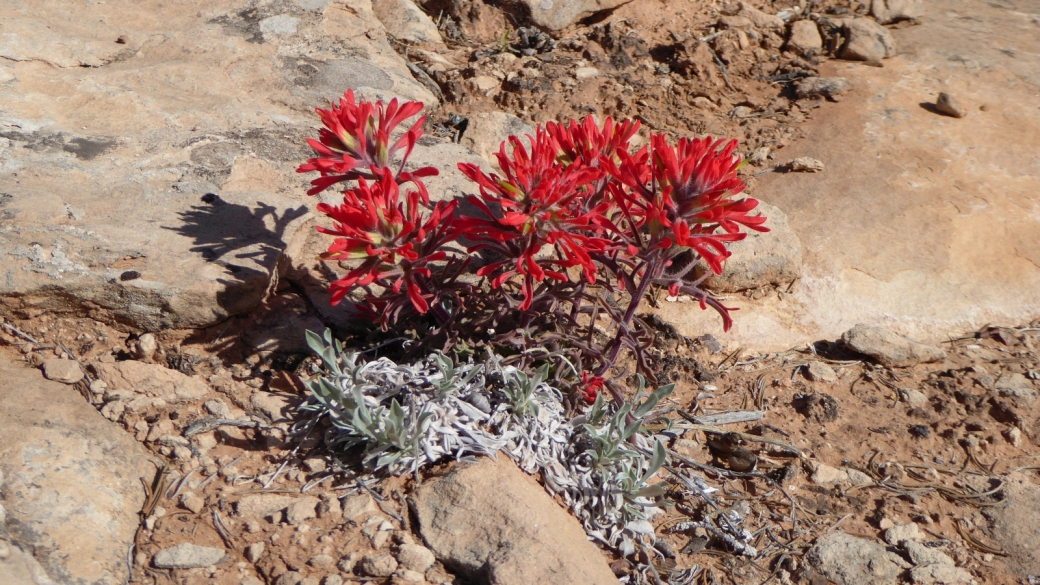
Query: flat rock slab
[(150, 182), (188, 556), (850, 560), (921, 223), (890, 348), (493, 522), (72, 484)]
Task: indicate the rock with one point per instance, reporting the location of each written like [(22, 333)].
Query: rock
[(889, 348), (822, 408), (254, 552), (406, 22), (415, 557), (850, 560), (217, 408), (827, 475), (820, 372), (64, 371), (65, 468), (1014, 526), (20, 568), (333, 580), (586, 73), (1015, 385), (193, 503), (289, 578), (919, 553), (857, 477), (1013, 436), (866, 40), (214, 195), (188, 556), (559, 14), (901, 532), (262, 505), (406, 576), (760, 259), (889, 11), (144, 347), (493, 522), (151, 380), (278, 407), (487, 131), (378, 565), (804, 164), (359, 506), (321, 561), (761, 19), (912, 397), (949, 105), (805, 38), (826, 87), (301, 510), (940, 575)]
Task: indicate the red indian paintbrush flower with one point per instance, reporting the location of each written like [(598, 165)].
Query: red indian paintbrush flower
[(389, 236), (356, 143), (538, 202)]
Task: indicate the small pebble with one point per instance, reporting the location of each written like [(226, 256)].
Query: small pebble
[(254, 552), (950, 106)]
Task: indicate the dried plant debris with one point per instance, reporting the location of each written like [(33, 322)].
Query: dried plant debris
[(403, 417)]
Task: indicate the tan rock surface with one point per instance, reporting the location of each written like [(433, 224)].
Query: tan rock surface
[(493, 520), (923, 224), (71, 486)]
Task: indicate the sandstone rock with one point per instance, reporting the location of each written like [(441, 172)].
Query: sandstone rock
[(64, 371), (773, 257), (827, 475), (407, 22), (827, 87), (850, 560), (359, 506), (559, 14), (919, 553), (495, 523), (761, 19), (866, 40), (301, 510), (20, 568), (144, 347), (890, 348), (586, 73), (1015, 525), (805, 38), (188, 556), (912, 397), (487, 131), (940, 575), (262, 505), (213, 194), (151, 380), (415, 557), (66, 468), (805, 164), (1015, 385), (951, 106), (254, 552), (901, 532), (378, 565), (820, 372), (889, 11), (289, 578)]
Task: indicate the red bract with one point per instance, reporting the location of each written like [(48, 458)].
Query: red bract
[(591, 386), (356, 143), (538, 202), (585, 142), (390, 237)]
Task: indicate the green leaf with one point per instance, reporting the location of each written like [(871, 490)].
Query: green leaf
[(314, 342), (658, 459)]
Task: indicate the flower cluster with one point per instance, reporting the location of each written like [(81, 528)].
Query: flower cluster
[(576, 210)]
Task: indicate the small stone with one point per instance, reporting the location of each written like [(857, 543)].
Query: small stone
[(586, 73), (900, 532), (262, 505), (889, 11), (866, 41), (289, 578), (920, 431), (804, 164), (485, 84), (409, 576), (857, 477), (826, 87), (329, 507), (254, 552), (301, 510), (380, 539), (820, 372), (805, 38), (950, 106), (64, 371), (438, 576), (5, 550), (1015, 385), (415, 557), (188, 556), (1013, 436), (333, 580), (315, 464), (937, 574), (378, 565), (321, 561), (886, 523), (192, 503), (206, 441), (217, 408), (347, 563), (890, 348), (358, 506), (912, 397), (145, 347), (919, 553), (761, 19), (251, 580), (826, 475)]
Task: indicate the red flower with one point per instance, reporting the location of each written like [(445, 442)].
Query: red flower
[(591, 386), (540, 201), (389, 236), (356, 143)]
